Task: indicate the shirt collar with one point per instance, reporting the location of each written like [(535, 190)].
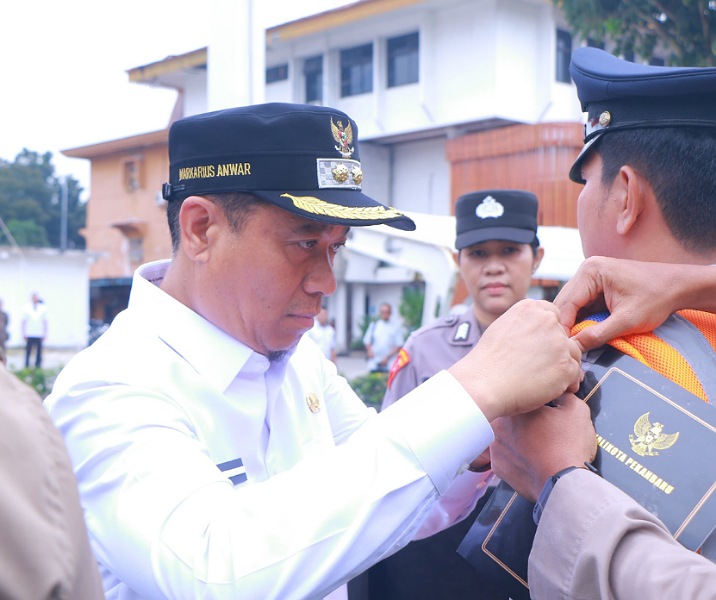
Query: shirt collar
[(213, 353)]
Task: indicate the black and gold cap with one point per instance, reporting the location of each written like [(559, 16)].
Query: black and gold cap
[(301, 158), (509, 215), (617, 94)]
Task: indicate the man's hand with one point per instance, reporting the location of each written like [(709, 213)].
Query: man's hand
[(639, 295), (530, 448), (523, 360)]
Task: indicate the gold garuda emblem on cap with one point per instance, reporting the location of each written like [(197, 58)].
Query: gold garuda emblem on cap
[(649, 438), (344, 137)]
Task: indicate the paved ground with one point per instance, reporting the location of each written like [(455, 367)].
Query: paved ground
[(349, 366)]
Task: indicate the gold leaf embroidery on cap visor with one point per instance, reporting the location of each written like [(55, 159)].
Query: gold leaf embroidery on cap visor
[(316, 206)]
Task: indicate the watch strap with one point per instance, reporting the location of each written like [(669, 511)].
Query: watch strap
[(546, 491)]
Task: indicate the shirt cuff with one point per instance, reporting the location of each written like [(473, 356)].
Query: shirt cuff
[(442, 425)]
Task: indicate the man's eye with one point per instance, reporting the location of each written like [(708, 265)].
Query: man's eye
[(338, 246), (307, 244)]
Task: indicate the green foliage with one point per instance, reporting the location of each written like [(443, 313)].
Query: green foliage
[(28, 233), (41, 380), (411, 307), (684, 29), (371, 388), (31, 202)]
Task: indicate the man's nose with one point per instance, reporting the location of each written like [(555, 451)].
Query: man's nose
[(321, 278)]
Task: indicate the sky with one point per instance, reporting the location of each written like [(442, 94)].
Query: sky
[(64, 63)]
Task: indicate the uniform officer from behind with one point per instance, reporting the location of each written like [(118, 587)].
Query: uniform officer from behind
[(498, 253), (648, 172), (218, 452)]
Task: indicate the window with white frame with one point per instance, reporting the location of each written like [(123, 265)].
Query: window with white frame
[(136, 250), (564, 56), (313, 79), (132, 174), (403, 59), (277, 73), (357, 70)]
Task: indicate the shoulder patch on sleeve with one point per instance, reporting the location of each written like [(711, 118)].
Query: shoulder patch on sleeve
[(463, 330), (400, 361)]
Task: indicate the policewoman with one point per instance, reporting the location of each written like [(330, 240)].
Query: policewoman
[(217, 451), (498, 252)]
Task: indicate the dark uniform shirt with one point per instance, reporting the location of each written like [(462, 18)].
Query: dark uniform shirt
[(429, 569)]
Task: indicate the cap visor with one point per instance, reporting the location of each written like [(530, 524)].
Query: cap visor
[(338, 207), (575, 173), (508, 234)]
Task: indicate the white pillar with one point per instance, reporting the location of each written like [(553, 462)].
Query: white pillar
[(237, 54)]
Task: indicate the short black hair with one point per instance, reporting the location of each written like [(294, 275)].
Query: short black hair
[(236, 206), (678, 163)]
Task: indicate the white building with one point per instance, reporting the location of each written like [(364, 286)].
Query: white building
[(437, 88)]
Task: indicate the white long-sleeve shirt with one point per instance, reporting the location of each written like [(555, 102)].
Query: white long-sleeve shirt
[(207, 471)]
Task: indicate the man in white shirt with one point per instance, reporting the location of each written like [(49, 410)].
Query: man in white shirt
[(324, 335), (217, 451), (34, 329), (382, 340)]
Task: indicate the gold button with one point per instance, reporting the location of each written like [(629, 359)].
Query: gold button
[(313, 403), (605, 118)]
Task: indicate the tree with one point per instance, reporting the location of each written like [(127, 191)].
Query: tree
[(31, 198), (682, 29), (411, 306)]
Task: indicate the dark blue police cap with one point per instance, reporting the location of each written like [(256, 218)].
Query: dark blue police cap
[(301, 158), (509, 215), (617, 95)]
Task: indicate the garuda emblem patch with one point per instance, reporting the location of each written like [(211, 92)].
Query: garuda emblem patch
[(344, 137), (649, 438)]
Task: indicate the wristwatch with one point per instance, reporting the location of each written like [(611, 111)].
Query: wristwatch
[(546, 491)]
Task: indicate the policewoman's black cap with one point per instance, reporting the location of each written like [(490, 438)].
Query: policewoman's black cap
[(617, 94), (301, 158), (509, 215)]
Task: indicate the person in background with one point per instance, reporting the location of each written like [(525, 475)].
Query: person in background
[(4, 333), (44, 549), (382, 340), (498, 253), (34, 329), (324, 334), (218, 452), (647, 170)]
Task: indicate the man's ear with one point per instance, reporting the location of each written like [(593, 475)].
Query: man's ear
[(196, 216), (632, 190)]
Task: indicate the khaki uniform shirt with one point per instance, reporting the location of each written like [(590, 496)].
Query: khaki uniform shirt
[(611, 548), (431, 349), (44, 549)]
